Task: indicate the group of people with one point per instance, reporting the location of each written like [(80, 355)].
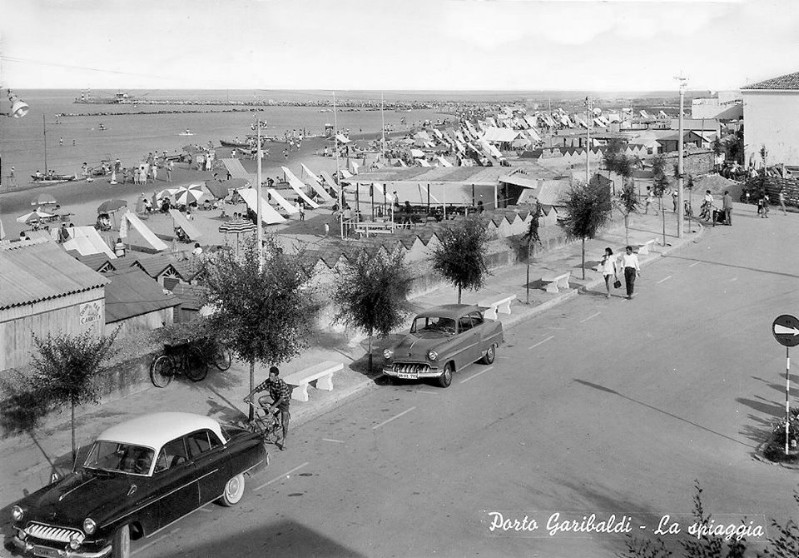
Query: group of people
[(630, 267)]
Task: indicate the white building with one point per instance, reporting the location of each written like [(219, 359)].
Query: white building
[(771, 120)]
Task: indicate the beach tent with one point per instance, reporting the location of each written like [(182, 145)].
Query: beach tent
[(268, 213), (87, 241), (423, 163), (235, 168), (298, 186), (220, 189), (443, 161), (315, 183), (416, 153), (132, 221), (330, 182), (287, 206), (179, 220), (353, 166), (36, 215), (341, 139)]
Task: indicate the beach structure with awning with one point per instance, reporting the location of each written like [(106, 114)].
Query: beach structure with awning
[(287, 206), (179, 220), (268, 213), (298, 186), (315, 183), (131, 223), (86, 241)]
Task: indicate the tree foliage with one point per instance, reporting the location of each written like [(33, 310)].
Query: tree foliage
[(372, 294), (588, 208), (461, 256), (612, 155), (66, 368), (264, 315)]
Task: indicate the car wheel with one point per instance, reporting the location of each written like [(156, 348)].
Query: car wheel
[(234, 490), (120, 546), (161, 371), (490, 355), (446, 378)]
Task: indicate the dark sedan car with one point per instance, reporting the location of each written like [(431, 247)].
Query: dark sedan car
[(139, 477), (441, 341)]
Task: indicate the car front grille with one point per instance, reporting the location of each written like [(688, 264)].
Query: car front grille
[(50, 533), (411, 368)]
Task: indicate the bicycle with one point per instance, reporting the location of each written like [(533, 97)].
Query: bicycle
[(180, 357), (222, 356), (263, 423)]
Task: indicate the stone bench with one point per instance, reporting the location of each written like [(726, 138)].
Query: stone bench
[(496, 304), (321, 373), (555, 281), (644, 248)]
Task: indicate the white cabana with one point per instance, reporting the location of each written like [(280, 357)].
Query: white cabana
[(330, 182), (179, 220), (130, 221), (268, 213), (315, 183), (287, 206), (298, 186), (87, 241), (417, 153)]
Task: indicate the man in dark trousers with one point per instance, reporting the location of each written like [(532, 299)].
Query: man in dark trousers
[(727, 207), (281, 397)]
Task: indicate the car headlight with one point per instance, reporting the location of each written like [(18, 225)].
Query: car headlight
[(74, 542), (17, 513), (89, 526), (388, 353), (432, 355)]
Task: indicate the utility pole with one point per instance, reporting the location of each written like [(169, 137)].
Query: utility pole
[(259, 226), (589, 116), (340, 187), (680, 172)]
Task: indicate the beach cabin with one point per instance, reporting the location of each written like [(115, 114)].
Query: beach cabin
[(134, 302)]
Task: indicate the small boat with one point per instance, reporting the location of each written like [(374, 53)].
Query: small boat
[(186, 132), (232, 143), (101, 127), (53, 178)]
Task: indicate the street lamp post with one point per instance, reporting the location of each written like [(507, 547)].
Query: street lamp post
[(18, 110), (589, 120), (259, 235), (680, 196)]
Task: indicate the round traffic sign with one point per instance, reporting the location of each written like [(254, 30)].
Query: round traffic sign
[(786, 330)]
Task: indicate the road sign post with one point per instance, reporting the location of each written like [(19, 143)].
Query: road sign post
[(786, 331)]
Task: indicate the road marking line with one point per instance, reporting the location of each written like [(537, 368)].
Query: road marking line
[(503, 357), (203, 509), (155, 541), (428, 391), (475, 375), (695, 263), (733, 279), (286, 474), (540, 342), (664, 279), (332, 440), (589, 317), (393, 418)]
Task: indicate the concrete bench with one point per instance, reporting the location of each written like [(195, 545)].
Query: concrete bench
[(496, 304), (643, 248), (555, 281), (321, 373)]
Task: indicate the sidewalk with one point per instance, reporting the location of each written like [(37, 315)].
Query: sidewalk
[(26, 463)]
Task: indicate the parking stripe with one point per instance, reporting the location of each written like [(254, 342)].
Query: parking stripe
[(286, 474), (395, 417), (695, 263), (475, 375), (540, 342), (666, 278), (332, 440), (733, 279), (589, 317)]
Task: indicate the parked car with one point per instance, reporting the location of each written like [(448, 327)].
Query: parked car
[(138, 477), (443, 340)]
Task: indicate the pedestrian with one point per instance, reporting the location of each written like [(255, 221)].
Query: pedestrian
[(649, 200), (169, 167), (154, 169), (136, 176), (124, 175), (12, 178), (726, 205), (63, 233), (119, 248), (301, 208), (763, 204), (61, 142), (280, 393), (197, 249), (327, 229), (148, 205), (632, 269), (781, 199), (608, 265)]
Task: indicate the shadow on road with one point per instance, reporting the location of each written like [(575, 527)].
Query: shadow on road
[(756, 270)]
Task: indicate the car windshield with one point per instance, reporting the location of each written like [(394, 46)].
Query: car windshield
[(117, 457), (433, 324)]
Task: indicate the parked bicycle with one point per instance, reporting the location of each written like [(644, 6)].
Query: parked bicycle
[(266, 424), (222, 356), (180, 357)]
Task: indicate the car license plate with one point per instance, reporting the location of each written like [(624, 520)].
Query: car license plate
[(45, 551), (407, 376)]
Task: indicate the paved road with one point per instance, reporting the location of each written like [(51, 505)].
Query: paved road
[(600, 406)]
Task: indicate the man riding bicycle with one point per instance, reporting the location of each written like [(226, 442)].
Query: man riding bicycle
[(280, 395)]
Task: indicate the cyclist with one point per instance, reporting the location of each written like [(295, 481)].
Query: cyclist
[(280, 394)]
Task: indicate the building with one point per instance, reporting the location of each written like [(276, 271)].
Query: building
[(771, 116), (135, 302), (44, 290)]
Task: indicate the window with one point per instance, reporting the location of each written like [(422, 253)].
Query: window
[(201, 442), (477, 318), (172, 455), (465, 323)]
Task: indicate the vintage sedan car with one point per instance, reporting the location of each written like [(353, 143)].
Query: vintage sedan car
[(138, 477), (441, 341)]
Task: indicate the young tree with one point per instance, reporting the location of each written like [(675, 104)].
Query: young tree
[(612, 154), (627, 204), (66, 369), (588, 208), (264, 313), (372, 294), (532, 238), (461, 256)]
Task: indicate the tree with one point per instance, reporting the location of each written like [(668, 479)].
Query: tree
[(66, 369), (264, 315), (461, 256), (372, 294), (627, 204), (612, 154), (532, 238), (588, 208)]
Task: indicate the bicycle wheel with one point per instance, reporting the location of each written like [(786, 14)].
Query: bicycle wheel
[(223, 358), (196, 365), (161, 371)]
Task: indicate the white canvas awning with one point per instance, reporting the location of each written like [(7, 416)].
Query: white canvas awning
[(132, 221), (315, 183), (341, 139), (268, 213), (330, 182), (179, 220), (87, 241), (298, 186), (287, 206), (235, 168), (501, 135)]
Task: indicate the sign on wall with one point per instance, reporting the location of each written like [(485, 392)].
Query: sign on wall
[(90, 312)]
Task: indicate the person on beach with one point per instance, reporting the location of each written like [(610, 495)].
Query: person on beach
[(12, 178), (632, 269), (726, 204), (154, 170), (608, 266), (169, 167), (781, 198)]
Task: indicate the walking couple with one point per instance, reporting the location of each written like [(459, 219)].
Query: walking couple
[(631, 267)]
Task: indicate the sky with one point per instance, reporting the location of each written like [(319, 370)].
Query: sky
[(612, 45)]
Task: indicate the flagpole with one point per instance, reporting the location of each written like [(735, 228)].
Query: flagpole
[(340, 187)]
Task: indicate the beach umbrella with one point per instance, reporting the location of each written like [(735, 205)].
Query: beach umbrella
[(189, 194), (237, 227), (43, 199), (109, 206), (33, 216), (168, 193)]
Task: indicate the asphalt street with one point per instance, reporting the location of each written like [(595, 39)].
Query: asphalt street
[(605, 407)]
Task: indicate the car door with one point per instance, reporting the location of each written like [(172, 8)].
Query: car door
[(177, 480), (465, 342), (210, 461), (481, 334)]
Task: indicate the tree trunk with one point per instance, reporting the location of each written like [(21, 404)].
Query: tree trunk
[(527, 283), (251, 413), (459, 295), (370, 352), (583, 258), (627, 228), (74, 449)]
